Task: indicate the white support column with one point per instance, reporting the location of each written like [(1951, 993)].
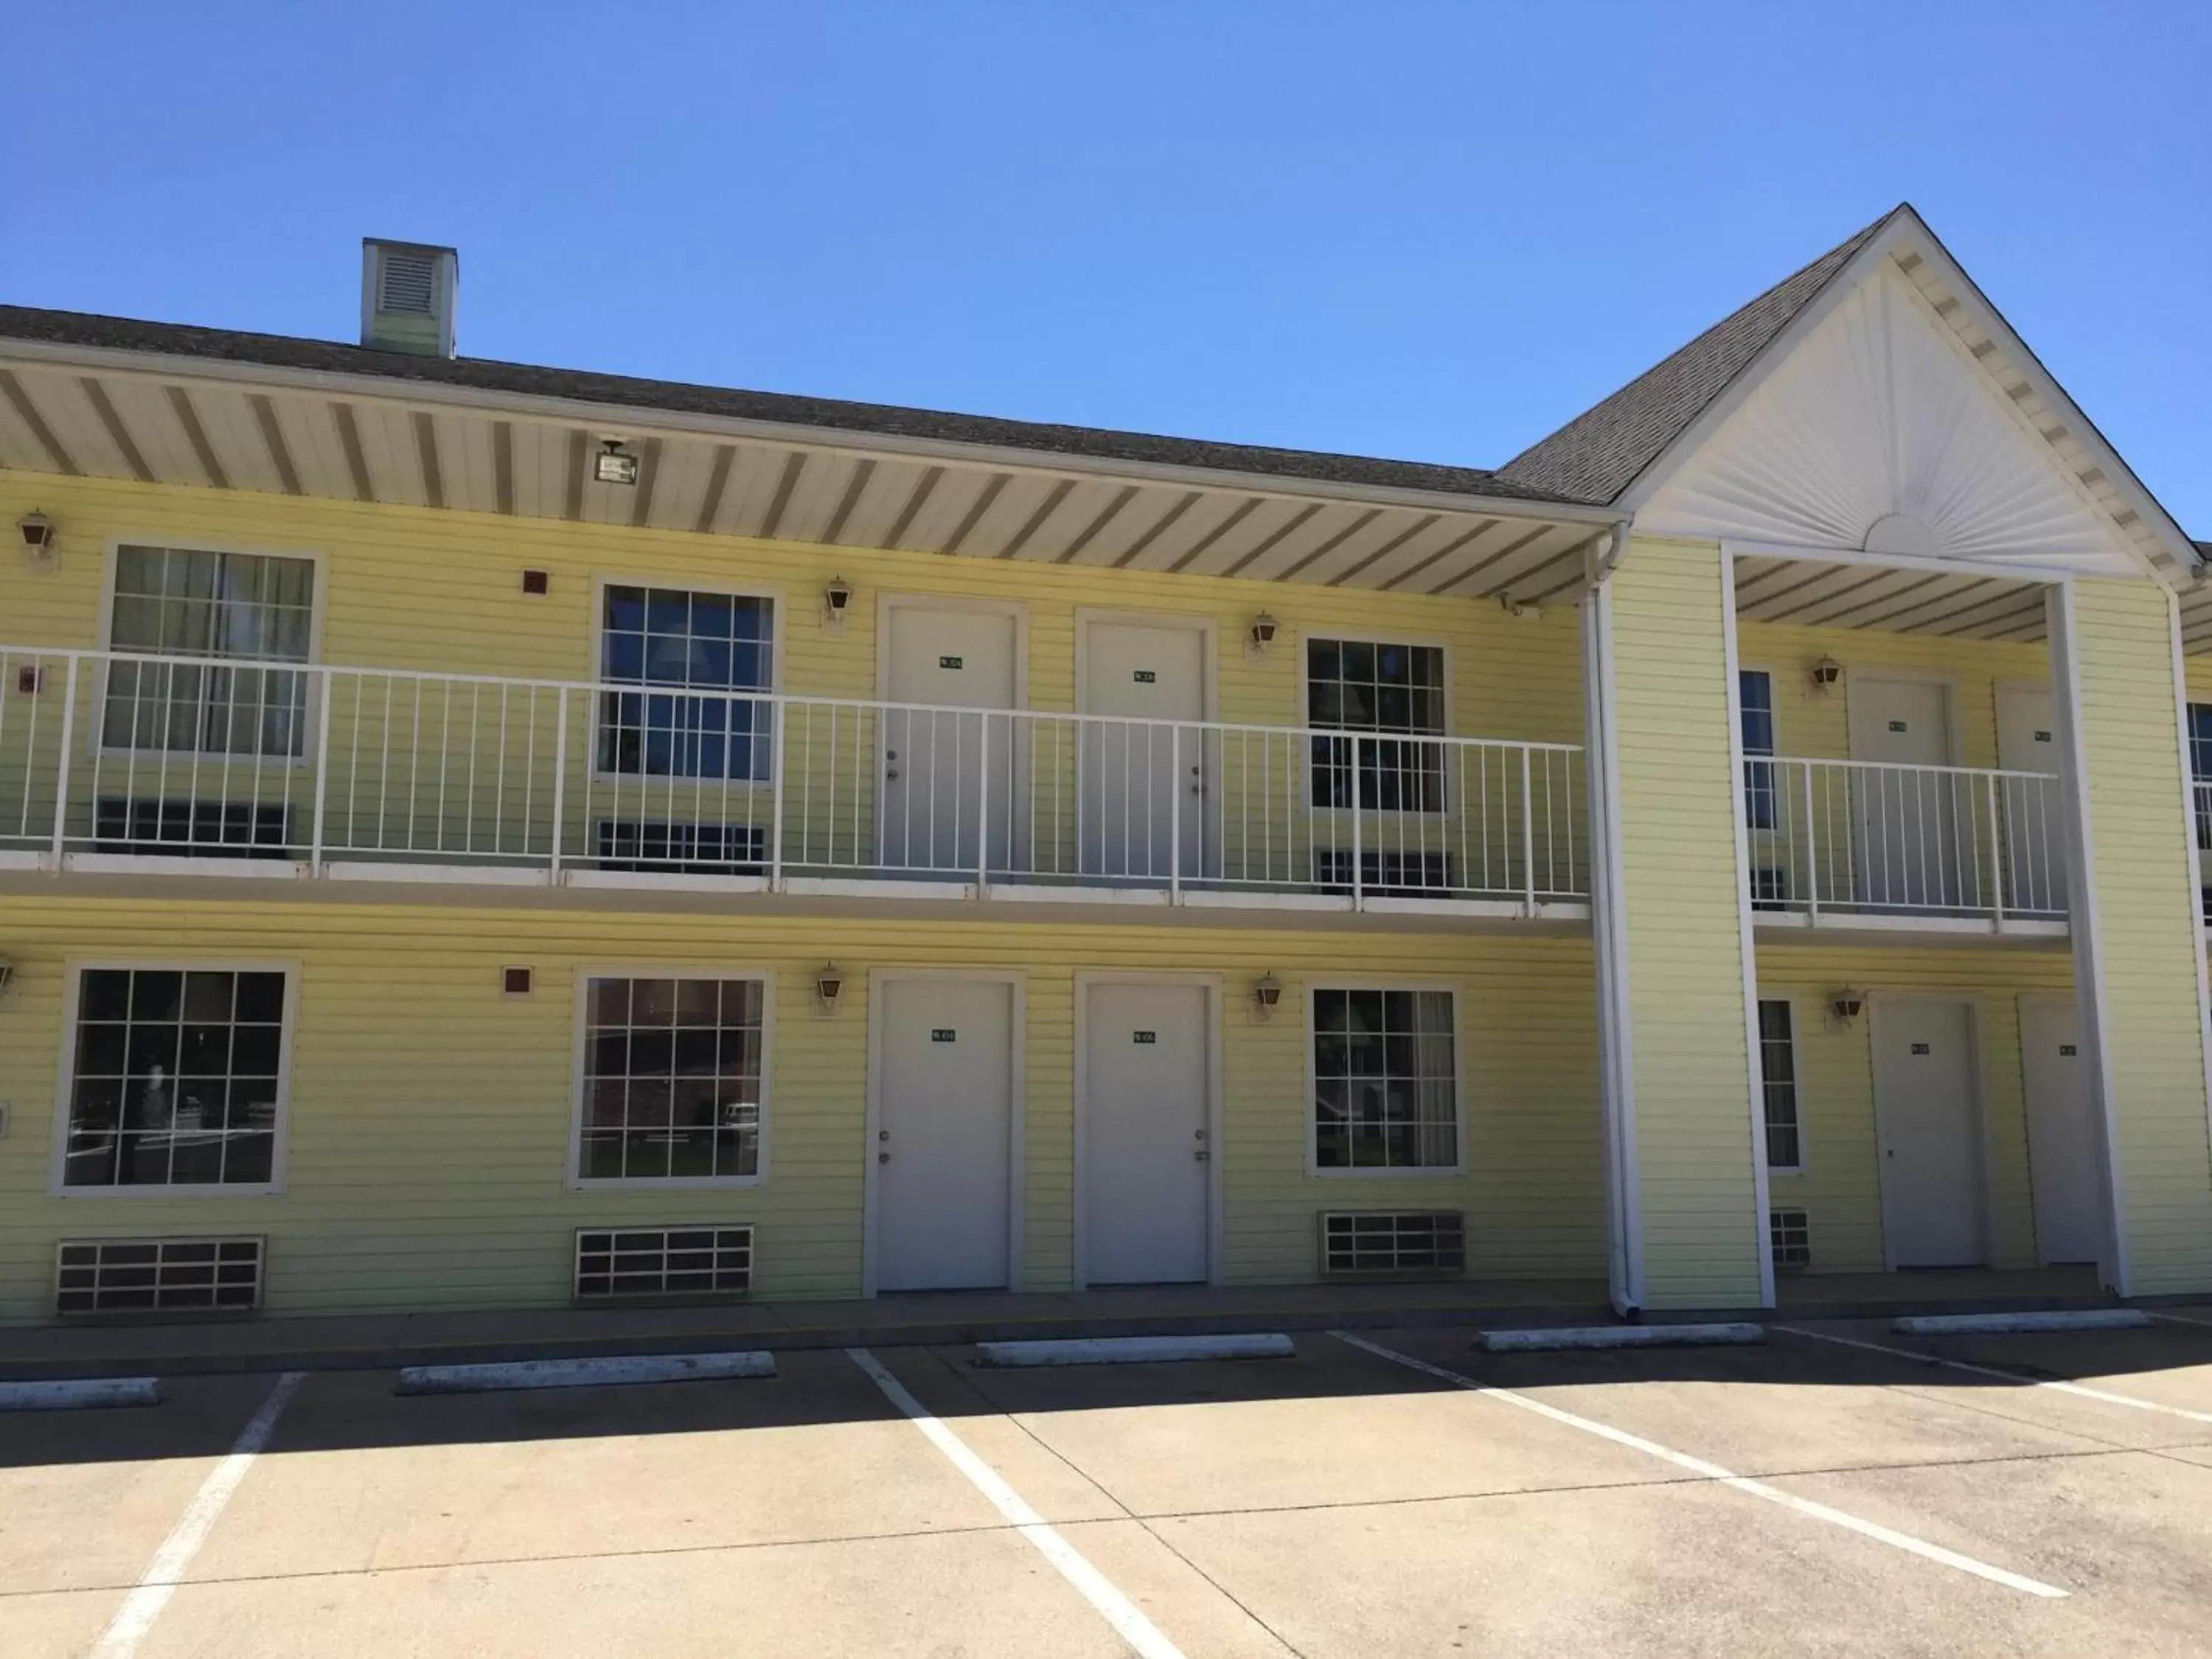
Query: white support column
[(1609, 946), (2089, 989)]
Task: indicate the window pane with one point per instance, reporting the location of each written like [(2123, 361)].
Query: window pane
[(1779, 1062), (713, 642), (671, 1079), (174, 1086), (1385, 1088), (234, 605)]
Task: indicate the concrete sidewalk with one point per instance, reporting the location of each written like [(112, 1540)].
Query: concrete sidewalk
[(182, 1347)]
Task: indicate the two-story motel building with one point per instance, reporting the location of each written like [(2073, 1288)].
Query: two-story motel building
[(474, 836)]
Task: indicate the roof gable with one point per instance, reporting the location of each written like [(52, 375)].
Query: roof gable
[(1603, 450), (1628, 449), (1878, 431)]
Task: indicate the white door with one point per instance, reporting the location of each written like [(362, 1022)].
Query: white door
[(936, 795), (2062, 1131), (2034, 827), (945, 1134), (1924, 1102), (1142, 785), (1145, 1153), (1908, 815)]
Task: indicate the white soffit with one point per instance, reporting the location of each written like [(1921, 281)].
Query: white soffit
[(1962, 603), (1878, 428), (349, 445)]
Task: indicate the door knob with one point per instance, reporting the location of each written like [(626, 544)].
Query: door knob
[(883, 1158)]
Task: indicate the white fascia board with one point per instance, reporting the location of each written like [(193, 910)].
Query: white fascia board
[(647, 422)]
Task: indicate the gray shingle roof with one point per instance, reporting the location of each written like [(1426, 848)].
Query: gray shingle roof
[(72, 328), (1599, 454)]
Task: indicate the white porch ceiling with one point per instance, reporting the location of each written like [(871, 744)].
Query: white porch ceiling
[(349, 443), (1814, 594)]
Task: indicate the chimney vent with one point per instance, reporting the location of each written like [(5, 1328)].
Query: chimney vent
[(407, 294)]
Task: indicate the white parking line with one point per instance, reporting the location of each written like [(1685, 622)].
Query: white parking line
[(2104, 1395), (1714, 1472), (1119, 1611), (143, 1605)]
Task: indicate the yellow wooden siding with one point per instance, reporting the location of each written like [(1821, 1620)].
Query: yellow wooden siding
[(1840, 1184), (2148, 917), (1701, 1235), (428, 1131), (1817, 727), (440, 592)]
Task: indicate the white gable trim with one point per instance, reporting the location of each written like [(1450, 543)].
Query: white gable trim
[(2171, 558)]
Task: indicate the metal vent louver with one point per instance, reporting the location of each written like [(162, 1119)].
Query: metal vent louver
[(1393, 1243), (159, 1275), (1791, 1236), (615, 1262), (406, 281)]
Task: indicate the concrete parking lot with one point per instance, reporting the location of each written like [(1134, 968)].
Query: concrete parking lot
[(1383, 1492)]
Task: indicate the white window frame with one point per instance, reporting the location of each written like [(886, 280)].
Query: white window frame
[(1403, 1172), (65, 1072), (310, 713), (779, 605), (576, 1180), (1303, 639), (1775, 837), (1797, 1084)]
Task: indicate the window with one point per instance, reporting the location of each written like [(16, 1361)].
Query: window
[(1386, 1092), (706, 642), (1778, 1057), (2200, 768), (1755, 701), (1356, 685), (241, 607), (176, 1079), (672, 1079)]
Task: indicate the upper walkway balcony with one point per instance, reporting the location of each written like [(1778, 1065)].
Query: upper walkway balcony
[(184, 766), (1874, 846)]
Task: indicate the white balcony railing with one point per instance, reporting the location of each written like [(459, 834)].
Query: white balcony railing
[(1866, 839), (107, 753)]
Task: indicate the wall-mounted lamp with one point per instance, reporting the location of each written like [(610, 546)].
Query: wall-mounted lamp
[(38, 531), (829, 986), (1519, 609), (7, 975), (613, 464), (1847, 1004), (1259, 636), (1266, 994), (837, 599), (1825, 676)]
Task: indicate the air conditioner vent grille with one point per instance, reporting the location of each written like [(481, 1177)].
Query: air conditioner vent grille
[(159, 1275), (619, 1262), (1393, 1243), (1791, 1234), (407, 282)]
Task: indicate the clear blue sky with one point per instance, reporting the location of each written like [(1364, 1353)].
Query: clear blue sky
[(1431, 232)]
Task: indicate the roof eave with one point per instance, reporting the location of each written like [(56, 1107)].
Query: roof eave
[(627, 419)]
